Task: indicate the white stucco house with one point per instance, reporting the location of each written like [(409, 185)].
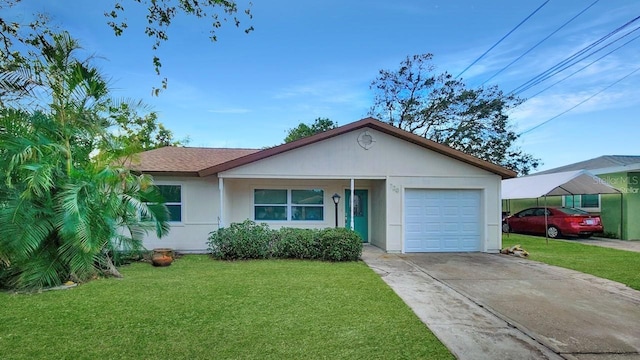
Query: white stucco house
[(399, 191)]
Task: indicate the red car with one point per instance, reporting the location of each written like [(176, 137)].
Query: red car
[(561, 221)]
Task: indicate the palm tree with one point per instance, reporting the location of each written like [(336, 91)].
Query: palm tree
[(65, 214)]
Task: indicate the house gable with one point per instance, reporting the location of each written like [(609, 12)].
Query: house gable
[(362, 153), (359, 129)]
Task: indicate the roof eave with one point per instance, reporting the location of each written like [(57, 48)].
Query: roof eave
[(263, 154), (366, 122), (170, 173), (445, 150)]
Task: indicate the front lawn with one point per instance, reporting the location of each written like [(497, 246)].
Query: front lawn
[(617, 265), (199, 308)]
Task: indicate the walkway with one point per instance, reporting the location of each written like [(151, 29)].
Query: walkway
[(628, 245)]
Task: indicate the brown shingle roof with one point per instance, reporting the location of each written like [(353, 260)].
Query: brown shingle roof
[(207, 161), (184, 160), (370, 123)]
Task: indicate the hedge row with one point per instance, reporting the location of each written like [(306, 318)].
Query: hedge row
[(248, 240)]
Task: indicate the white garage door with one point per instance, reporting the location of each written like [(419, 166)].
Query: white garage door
[(442, 220)]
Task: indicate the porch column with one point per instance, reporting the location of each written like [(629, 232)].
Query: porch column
[(351, 226), (221, 190)]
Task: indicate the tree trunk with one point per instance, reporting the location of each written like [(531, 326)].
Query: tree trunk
[(111, 268)]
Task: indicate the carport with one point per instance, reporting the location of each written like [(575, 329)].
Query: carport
[(558, 184)]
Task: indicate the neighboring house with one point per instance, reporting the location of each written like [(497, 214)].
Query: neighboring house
[(409, 194), (619, 213)]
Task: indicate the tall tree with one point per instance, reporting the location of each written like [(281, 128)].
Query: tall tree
[(441, 108), (159, 17), (64, 214), (303, 130), (139, 132)]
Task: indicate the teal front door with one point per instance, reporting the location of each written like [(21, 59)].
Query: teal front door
[(360, 212)]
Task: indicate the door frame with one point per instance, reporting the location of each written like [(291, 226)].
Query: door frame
[(346, 213)]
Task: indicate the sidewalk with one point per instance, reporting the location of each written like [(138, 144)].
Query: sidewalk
[(628, 245)]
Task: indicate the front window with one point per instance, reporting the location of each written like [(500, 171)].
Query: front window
[(307, 204), (591, 201), (288, 205), (172, 195), (270, 204)]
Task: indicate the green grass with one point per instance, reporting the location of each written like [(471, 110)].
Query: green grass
[(199, 308), (617, 265)]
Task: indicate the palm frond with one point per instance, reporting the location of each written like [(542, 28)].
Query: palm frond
[(40, 270), (62, 213), (25, 227), (38, 180), (16, 82)]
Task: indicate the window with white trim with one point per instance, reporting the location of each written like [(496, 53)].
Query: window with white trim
[(172, 195), (584, 201), (288, 204)]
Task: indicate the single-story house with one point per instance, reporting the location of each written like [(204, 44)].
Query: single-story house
[(399, 191), (619, 212)]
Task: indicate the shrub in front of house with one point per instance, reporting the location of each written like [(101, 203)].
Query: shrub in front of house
[(340, 244), (245, 240), (293, 243), (248, 240)]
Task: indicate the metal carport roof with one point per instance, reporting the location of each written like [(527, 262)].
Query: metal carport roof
[(564, 183)]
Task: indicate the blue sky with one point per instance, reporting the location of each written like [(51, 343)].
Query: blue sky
[(316, 59)]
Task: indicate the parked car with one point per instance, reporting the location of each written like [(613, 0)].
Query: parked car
[(560, 221)]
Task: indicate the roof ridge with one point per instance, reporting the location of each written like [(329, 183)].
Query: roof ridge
[(215, 148), (362, 123)]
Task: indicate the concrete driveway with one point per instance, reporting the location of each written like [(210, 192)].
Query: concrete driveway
[(490, 306)]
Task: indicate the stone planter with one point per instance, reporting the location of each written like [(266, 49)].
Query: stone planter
[(162, 257)]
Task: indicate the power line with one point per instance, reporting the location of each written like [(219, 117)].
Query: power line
[(544, 75), (580, 103), (575, 61), (539, 42), (504, 37), (586, 66)]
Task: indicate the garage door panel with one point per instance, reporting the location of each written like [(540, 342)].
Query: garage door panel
[(448, 195), (432, 227), (433, 211), (442, 220), (469, 242), (450, 212), (426, 196), (415, 212), (471, 211), (450, 228)]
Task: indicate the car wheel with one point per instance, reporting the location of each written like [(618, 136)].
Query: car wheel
[(553, 232), (506, 228)]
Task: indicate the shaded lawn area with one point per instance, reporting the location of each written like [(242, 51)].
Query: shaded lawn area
[(617, 265), (200, 308)]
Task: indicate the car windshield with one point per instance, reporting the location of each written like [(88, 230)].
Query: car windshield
[(573, 211)]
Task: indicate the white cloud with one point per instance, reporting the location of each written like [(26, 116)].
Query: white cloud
[(327, 91), (540, 109)]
